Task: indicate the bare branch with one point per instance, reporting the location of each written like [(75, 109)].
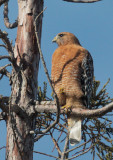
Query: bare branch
[(1, 68), (81, 153), (50, 107), (4, 105), (82, 1), (56, 144), (66, 146), (1, 116), (14, 108), (4, 99), (5, 57), (1, 45), (2, 147), (6, 19), (70, 150), (45, 154), (4, 71), (1, 76), (49, 80), (3, 36), (2, 2)]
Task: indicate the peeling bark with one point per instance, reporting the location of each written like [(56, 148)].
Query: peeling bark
[(24, 81)]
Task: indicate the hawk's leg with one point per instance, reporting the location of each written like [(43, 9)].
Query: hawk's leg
[(67, 108)]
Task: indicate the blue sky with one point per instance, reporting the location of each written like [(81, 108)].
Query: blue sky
[(91, 23)]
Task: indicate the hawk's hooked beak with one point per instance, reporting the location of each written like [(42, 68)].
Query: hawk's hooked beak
[(55, 39)]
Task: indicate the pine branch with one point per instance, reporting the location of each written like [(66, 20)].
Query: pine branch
[(105, 146)]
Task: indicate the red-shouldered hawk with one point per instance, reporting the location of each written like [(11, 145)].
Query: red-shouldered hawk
[(72, 78)]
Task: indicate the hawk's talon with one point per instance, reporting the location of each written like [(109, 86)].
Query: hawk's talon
[(66, 108)]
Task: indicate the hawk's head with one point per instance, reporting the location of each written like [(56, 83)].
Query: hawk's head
[(65, 38)]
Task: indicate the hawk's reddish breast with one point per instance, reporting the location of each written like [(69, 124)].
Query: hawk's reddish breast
[(72, 77)]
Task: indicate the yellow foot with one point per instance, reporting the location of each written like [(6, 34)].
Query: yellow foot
[(61, 90), (66, 108)]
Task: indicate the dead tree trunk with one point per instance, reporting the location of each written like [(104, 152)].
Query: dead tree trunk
[(24, 81)]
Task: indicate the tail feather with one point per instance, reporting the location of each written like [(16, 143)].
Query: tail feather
[(74, 126)]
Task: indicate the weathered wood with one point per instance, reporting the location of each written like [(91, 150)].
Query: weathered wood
[(24, 81), (50, 107)]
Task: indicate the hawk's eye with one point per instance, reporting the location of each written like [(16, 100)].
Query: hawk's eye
[(61, 35)]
